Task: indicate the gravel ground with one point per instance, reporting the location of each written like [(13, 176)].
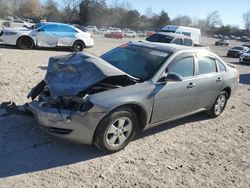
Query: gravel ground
[(192, 152)]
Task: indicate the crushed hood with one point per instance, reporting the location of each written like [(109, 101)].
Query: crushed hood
[(70, 74)]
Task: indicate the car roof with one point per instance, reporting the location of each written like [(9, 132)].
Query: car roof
[(163, 46), (174, 35), (56, 23)]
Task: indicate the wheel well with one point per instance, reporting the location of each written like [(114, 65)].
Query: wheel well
[(228, 90), (23, 37), (140, 113), (78, 40), (138, 110)]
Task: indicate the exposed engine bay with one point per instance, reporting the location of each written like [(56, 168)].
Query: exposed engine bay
[(79, 102), (72, 78)]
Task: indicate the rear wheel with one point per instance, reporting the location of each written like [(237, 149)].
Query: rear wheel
[(116, 130), (25, 43), (219, 105), (78, 46)]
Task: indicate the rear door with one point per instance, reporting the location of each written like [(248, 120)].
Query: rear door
[(66, 35), (209, 82)]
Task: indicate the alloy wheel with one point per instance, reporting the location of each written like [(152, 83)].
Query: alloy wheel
[(119, 131)]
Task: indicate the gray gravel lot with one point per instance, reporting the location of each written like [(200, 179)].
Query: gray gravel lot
[(192, 152)]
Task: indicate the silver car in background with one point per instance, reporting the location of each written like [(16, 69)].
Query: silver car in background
[(105, 101), (245, 57), (49, 35)]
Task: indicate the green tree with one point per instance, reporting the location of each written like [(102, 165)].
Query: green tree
[(51, 12), (131, 19), (4, 9), (93, 12), (160, 20), (30, 9)]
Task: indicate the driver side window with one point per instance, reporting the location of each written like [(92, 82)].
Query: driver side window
[(183, 67)]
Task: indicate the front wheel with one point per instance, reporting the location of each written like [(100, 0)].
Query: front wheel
[(78, 46), (219, 105), (25, 43), (116, 130)]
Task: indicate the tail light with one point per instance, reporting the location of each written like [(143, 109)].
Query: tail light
[(238, 76), (91, 36)]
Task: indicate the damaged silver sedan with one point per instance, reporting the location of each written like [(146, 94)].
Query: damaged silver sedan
[(106, 100)]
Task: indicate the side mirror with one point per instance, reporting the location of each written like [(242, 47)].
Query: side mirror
[(171, 77)]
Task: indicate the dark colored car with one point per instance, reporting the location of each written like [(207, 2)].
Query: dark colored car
[(173, 38), (222, 42), (116, 35), (247, 44), (237, 51), (245, 39)]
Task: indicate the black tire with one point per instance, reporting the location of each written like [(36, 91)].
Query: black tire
[(213, 111), (78, 46), (103, 136), (25, 43)]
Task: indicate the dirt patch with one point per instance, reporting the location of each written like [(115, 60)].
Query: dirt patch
[(192, 152)]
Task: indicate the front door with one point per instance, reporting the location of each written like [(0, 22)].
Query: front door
[(47, 36), (176, 98)]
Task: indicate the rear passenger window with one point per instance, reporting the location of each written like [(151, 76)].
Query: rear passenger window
[(66, 29), (178, 41), (183, 67), (206, 65), (221, 66), (188, 42)]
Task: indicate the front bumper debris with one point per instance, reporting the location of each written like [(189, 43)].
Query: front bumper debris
[(66, 124)]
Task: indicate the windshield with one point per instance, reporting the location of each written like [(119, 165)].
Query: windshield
[(237, 48), (160, 38), (137, 61), (36, 26)]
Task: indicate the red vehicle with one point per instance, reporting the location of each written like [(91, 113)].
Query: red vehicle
[(149, 33), (116, 35)]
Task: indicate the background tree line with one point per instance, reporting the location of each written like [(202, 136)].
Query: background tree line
[(119, 14)]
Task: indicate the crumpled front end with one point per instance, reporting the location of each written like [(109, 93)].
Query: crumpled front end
[(74, 125), (61, 101)]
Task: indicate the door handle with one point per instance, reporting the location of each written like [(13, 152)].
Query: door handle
[(190, 85), (219, 79)]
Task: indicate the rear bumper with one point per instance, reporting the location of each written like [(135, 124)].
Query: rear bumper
[(72, 126)]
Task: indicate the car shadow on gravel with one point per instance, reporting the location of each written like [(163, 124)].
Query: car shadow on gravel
[(245, 79), (189, 119), (24, 148), (61, 49)]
